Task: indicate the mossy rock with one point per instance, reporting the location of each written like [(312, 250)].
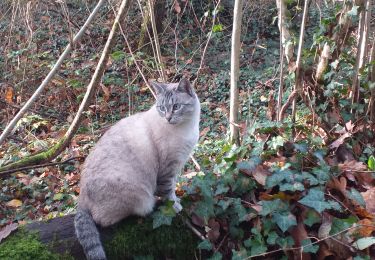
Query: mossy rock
[(133, 238), (24, 246), (136, 238)]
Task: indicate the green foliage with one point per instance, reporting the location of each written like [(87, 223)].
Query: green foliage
[(315, 199), (26, 246), (137, 237)]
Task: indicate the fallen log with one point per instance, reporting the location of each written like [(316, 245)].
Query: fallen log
[(133, 237)]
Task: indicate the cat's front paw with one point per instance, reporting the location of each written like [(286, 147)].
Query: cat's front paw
[(177, 206)]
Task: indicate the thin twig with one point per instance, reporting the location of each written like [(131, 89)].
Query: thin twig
[(208, 41), (281, 84), (290, 99), (195, 231), (3, 173), (136, 63)]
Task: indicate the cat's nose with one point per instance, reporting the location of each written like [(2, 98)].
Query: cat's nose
[(168, 116)]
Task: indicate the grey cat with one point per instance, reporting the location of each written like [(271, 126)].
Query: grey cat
[(136, 159)]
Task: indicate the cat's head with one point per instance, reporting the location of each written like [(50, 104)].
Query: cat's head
[(175, 102)]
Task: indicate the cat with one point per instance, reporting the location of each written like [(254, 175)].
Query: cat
[(135, 160)]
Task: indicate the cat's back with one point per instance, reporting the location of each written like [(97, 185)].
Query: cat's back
[(124, 144)]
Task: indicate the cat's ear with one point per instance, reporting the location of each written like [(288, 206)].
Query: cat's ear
[(184, 86), (159, 88)]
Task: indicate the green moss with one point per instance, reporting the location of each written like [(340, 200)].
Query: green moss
[(136, 237), (24, 246)]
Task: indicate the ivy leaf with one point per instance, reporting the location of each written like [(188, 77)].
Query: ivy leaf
[(216, 256), (309, 177), (168, 209), (118, 55), (357, 197), (277, 177), (256, 246), (285, 241), (239, 255), (284, 221), (269, 206), (339, 224), (224, 204), (371, 163), (249, 164), (295, 186), (220, 189), (205, 245), (240, 210), (205, 208), (312, 218), (159, 219), (322, 173), (364, 242), (271, 239), (354, 11), (308, 248), (315, 199)]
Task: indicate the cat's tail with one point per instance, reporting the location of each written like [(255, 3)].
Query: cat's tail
[(88, 235)]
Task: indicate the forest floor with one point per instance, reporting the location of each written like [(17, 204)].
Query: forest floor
[(274, 191)]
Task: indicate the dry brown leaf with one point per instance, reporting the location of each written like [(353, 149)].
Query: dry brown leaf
[(299, 234), (271, 110), (214, 232), (177, 7), (324, 252), (362, 212), (5, 232), (338, 184), (197, 220), (260, 174), (352, 165), (339, 141), (107, 92), (369, 197), (367, 228), (9, 93), (338, 248), (14, 203), (279, 161), (204, 131)]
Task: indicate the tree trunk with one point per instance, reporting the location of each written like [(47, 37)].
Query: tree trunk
[(95, 80), (132, 237), (234, 71), (361, 48), (286, 37), (298, 78), (151, 5)]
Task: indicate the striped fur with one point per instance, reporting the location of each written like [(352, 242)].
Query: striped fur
[(88, 236)]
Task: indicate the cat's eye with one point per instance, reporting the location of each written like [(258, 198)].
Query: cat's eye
[(176, 107), (162, 108)]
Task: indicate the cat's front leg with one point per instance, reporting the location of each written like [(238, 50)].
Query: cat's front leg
[(166, 189), (177, 205)]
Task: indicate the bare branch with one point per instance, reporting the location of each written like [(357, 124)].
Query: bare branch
[(50, 75)]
